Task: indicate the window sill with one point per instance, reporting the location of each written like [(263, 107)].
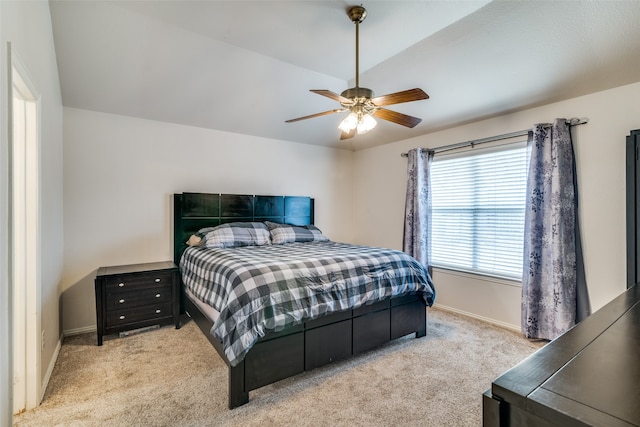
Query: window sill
[(478, 276)]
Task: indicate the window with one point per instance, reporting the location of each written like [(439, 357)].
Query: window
[(478, 210)]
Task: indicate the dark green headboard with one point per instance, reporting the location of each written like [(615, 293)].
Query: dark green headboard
[(193, 211)]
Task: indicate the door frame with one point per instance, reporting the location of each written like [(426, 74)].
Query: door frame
[(24, 235)]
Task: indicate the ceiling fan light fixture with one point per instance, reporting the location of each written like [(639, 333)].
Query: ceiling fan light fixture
[(349, 123), (365, 124), (360, 121)]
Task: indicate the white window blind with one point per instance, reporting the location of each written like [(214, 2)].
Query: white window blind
[(478, 210)]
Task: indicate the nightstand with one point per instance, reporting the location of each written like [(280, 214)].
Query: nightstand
[(136, 296)]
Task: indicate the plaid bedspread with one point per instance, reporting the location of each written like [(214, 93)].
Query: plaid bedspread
[(257, 289)]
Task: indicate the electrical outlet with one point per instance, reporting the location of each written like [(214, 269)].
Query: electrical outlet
[(43, 342)]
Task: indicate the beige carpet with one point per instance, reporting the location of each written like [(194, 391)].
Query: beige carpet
[(170, 377)]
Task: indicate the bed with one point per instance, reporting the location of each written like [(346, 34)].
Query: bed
[(309, 330)]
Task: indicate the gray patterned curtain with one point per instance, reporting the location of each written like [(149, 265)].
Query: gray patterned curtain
[(554, 296), (417, 221)]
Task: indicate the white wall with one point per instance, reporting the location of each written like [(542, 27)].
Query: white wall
[(120, 173), (6, 403), (27, 26), (380, 185)]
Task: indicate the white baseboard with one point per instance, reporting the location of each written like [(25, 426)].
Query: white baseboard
[(478, 317), (47, 375), (78, 331)]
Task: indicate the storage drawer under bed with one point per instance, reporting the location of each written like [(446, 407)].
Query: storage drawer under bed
[(327, 344), (273, 360)]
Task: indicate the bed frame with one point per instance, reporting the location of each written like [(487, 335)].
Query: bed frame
[(306, 346)]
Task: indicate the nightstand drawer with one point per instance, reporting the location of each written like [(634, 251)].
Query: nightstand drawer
[(136, 298), (136, 314), (128, 282)]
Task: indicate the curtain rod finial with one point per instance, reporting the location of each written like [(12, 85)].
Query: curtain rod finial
[(578, 121)]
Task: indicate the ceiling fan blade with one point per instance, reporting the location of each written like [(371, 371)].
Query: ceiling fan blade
[(324, 113), (331, 95), (400, 97), (347, 135), (395, 117)]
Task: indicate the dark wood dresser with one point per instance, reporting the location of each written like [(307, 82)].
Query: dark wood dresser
[(590, 376), (135, 296)]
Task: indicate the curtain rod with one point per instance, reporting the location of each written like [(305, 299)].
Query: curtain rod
[(572, 122)]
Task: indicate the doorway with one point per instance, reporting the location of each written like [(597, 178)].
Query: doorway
[(24, 197)]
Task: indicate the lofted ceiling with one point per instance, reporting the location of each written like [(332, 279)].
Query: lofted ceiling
[(247, 66)]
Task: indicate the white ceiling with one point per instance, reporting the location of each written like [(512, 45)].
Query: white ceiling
[(247, 66)]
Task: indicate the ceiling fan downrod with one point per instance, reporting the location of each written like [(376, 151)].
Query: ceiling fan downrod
[(357, 14)]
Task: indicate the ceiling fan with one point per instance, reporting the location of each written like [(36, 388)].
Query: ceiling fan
[(360, 101)]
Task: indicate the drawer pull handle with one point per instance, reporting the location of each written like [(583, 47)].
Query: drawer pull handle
[(121, 301), (158, 311), (157, 295), (158, 280), (121, 317), (121, 284)]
